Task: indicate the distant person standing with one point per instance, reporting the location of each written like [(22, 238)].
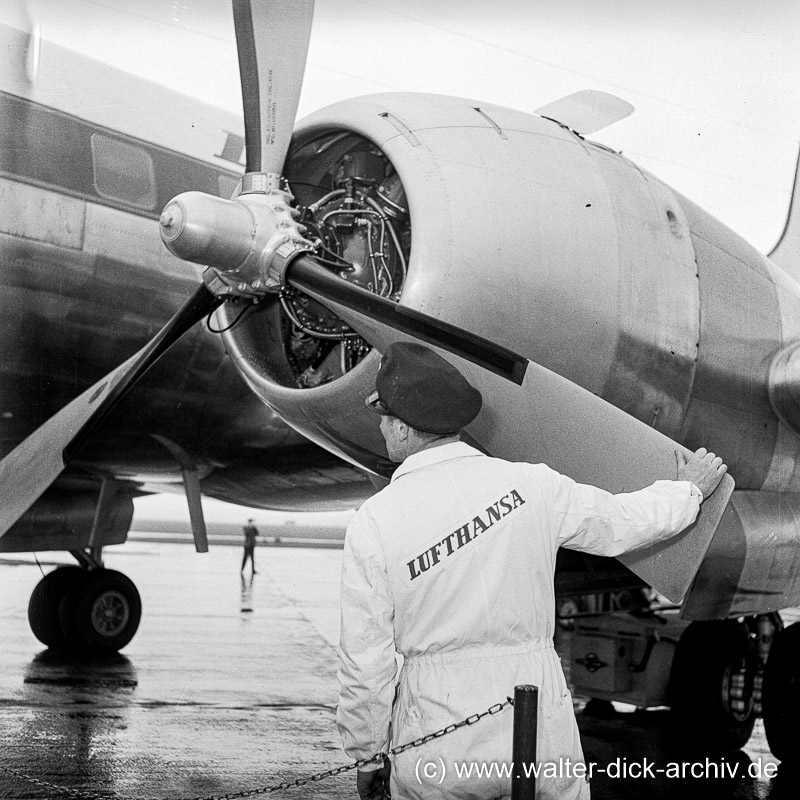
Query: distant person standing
[(250, 534)]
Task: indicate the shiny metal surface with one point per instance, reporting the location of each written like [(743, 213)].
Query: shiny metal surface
[(753, 563), (577, 260), (730, 411), (522, 232)]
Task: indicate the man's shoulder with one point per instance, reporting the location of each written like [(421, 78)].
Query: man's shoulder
[(377, 506), (376, 501), (418, 484), (497, 464)]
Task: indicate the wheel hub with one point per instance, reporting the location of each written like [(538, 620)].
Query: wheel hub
[(737, 692), (110, 613)]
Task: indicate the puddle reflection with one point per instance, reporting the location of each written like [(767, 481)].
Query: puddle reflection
[(247, 595)]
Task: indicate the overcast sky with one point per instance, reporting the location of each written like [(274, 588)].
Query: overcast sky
[(716, 83)]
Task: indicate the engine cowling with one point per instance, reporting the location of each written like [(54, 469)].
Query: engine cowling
[(498, 222)]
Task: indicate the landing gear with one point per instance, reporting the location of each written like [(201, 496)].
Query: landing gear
[(711, 686), (781, 694), (44, 604), (95, 611), (101, 612)]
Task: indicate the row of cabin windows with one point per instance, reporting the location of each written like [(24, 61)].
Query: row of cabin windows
[(49, 147)]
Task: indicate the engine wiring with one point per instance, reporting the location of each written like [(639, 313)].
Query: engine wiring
[(357, 227), (289, 311), (239, 317)]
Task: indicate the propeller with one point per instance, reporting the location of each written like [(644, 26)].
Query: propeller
[(252, 244)]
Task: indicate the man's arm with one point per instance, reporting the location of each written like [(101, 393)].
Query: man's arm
[(595, 521), (367, 663)]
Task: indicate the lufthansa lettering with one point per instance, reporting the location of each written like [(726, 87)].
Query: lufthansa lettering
[(467, 533)]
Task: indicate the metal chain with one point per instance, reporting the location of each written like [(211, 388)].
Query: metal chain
[(470, 720), (378, 757)]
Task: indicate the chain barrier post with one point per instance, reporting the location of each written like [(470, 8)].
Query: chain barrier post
[(526, 713)]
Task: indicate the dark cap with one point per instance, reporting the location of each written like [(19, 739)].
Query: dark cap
[(426, 392)]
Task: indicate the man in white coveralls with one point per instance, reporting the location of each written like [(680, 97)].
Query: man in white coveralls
[(452, 565)]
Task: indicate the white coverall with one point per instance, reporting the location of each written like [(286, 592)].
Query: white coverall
[(452, 566)]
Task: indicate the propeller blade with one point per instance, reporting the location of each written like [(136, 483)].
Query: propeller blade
[(546, 418), (308, 276), (272, 39), (27, 471)]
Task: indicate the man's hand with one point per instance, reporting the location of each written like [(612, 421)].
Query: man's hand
[(703, 469), (374, 785)]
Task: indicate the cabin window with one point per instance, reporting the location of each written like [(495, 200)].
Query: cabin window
[(123, 172)]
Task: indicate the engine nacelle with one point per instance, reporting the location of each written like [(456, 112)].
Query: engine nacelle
[(497, 221)]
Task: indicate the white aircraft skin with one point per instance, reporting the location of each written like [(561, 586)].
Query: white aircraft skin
[(518, 229)]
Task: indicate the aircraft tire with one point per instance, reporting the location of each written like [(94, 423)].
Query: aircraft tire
[(43, 607), (706, 655), (102, 613), (781, 695)]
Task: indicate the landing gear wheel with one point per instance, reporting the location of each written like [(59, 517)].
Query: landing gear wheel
[(101, 614), (781, 695), (708, 659), (43, 615)]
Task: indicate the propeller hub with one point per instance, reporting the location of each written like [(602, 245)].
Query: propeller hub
[(260, 183), (207, 230), (247, 242)]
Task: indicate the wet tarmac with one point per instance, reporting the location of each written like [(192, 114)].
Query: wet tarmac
[(230, 686)]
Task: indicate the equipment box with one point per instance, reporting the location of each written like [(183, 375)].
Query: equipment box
[(602, 662), (623, 657)]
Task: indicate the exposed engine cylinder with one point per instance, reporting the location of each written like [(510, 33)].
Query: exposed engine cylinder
[(353, 208)]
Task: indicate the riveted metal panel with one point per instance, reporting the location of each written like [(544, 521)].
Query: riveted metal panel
[(29, 212), (116, 235), (658, 298), (740, 333)]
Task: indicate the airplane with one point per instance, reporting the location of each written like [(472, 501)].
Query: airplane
[(608, 320)]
